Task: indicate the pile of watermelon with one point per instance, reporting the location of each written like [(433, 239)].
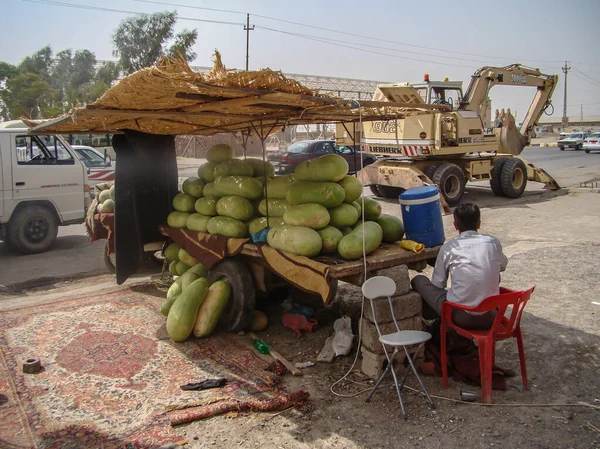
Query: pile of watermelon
[(317, 210)]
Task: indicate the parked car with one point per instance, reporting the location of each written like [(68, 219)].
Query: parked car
[(101, 167), (573, 140), (286, 161), (592, 143)]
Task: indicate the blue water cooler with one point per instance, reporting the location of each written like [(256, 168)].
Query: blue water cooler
[(422, 215)]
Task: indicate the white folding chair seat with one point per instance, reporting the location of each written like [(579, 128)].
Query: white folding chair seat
[(405, 338), (382, 287)]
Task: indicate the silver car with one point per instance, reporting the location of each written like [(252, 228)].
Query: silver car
[(592, 143), (573, 140)]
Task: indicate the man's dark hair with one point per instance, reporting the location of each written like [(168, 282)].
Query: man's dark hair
[(467, 216)]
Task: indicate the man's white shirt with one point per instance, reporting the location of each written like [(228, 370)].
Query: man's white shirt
[(473, 261)]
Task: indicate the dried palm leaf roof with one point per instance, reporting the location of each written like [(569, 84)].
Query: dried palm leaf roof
[(170, 98)]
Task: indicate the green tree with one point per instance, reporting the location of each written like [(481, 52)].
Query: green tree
[(107, 73), (39, 63), (140, 40), (7, 71), (84, 69), (27, 94)]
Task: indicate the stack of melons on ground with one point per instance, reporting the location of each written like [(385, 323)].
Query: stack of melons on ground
[(106, 201), (193, 306), (323, 213), (224, 198)]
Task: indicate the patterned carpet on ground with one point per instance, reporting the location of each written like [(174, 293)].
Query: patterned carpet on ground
[(111, 375)]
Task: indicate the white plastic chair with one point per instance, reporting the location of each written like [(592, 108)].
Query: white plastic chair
[(381, 287)]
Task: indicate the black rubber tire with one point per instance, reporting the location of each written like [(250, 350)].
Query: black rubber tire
[(587, 151), (513, 178), (389, 191), (562, 148), (33, 229), (110, 260), (237, 314), (495, 175), (579, 147), (374, 190), (430, 170), (451, 181)]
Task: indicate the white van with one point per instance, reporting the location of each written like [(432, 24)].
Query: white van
[(43, 185)]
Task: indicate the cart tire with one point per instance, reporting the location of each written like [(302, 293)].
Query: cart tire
[(374, 190), (311, 300), (451, 181), (496, 174), (237, 314), (110, 260), (389, 191), (513, 178)]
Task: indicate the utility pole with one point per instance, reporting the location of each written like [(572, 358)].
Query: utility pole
[(565, 118), (247, 28)]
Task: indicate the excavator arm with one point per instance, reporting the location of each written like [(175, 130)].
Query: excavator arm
[(511, 140)]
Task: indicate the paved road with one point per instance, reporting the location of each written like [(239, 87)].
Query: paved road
[(568, 167), (73, 255)]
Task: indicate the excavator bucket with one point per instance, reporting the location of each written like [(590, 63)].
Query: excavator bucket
[(510, 140)]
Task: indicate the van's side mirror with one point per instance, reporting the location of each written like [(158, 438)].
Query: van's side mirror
[(107, 159)]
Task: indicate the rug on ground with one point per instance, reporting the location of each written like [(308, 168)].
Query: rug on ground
[(111, 374)]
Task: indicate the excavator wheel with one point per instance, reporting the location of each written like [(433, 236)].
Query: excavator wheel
[(374, 190), (513, 178), (451, 181), (389, 191), (429, 171), (495, 174)]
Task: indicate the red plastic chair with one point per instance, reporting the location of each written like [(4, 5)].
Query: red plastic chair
[(502, 328)]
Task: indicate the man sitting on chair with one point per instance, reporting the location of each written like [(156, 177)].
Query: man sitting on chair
[(473, 261)]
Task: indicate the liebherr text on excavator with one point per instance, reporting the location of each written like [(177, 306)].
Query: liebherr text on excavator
[(455, 143)]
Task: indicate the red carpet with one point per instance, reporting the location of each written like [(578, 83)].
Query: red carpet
[(111, 373)]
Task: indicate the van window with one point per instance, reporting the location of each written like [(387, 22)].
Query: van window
[(42, 150)]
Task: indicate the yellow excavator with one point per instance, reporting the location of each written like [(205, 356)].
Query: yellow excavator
[(456, 142)]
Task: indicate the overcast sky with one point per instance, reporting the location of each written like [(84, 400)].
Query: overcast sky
[(410, 38)]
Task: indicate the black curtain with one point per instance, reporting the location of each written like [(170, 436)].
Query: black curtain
[(145, 184)]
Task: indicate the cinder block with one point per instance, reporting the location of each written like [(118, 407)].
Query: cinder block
[(370, 337), (373, 364), (400, 275), (405, 306)]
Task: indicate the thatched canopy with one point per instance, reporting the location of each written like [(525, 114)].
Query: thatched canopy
[(170, 98)]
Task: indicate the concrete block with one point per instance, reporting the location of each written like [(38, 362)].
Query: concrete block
[(370, 337), (373, 364), (405, 306), (399, 274)]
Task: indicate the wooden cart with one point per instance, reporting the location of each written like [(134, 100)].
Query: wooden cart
[(248, 272)]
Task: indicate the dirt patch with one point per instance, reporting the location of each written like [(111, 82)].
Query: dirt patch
[(562, 344)]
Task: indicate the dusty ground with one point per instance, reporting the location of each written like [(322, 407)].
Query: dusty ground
[(552, 242)]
